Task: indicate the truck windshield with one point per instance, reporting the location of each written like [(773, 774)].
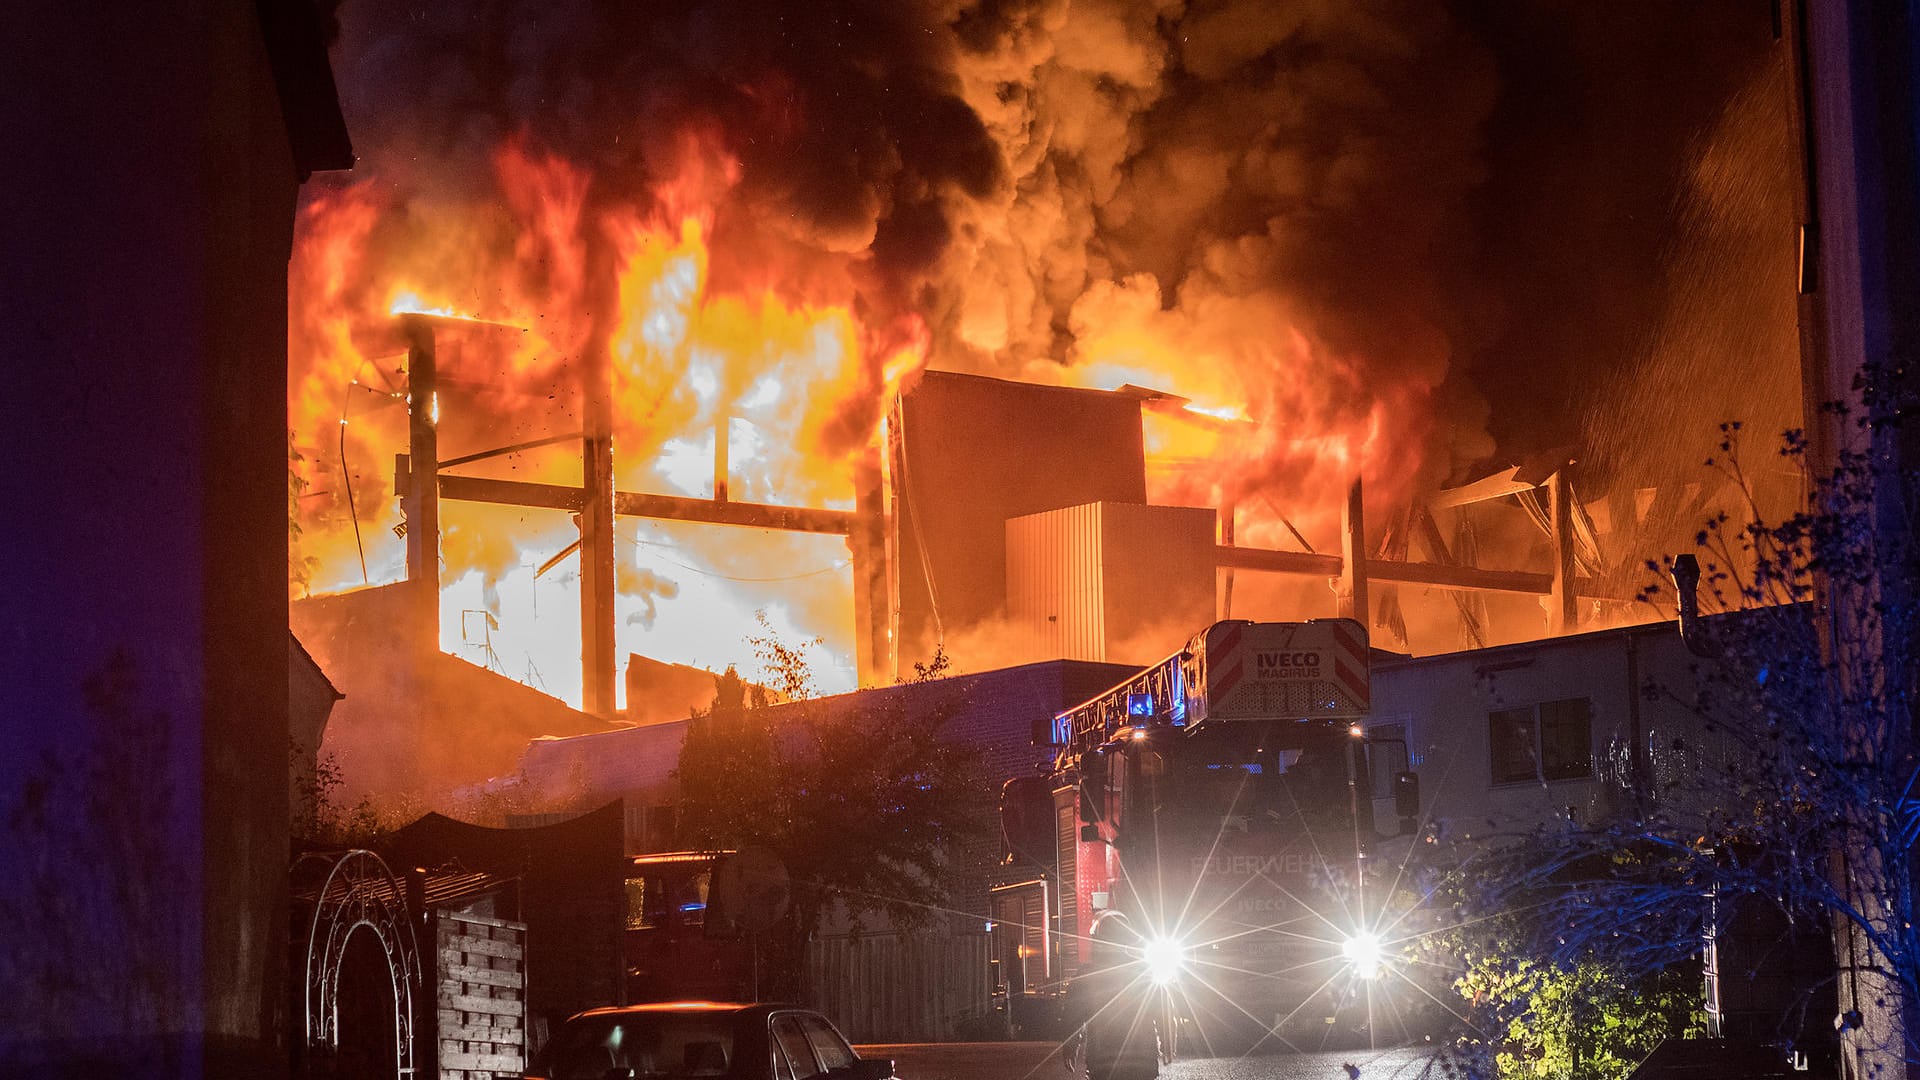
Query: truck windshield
[(1233, 778)]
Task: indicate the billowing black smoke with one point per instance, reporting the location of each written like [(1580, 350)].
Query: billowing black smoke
[(841, 123), (1244, 198)]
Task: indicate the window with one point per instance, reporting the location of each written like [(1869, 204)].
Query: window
[(677, 898), (1549, 741), (792, 1056), (1387, 757), (646, 904), (690, 898), (781, 1070), (655, 1044), (1510, 745), (1566, 739), (828, 1046)]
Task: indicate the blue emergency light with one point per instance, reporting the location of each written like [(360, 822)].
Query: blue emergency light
[(1140, 705)]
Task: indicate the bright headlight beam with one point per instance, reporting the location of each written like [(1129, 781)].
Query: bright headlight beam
[(1164, 959), (1363, 951)]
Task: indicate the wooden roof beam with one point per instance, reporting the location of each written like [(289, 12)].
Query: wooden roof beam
[(639, 504)]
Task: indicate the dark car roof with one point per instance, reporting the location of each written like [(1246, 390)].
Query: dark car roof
[(747, 1019)]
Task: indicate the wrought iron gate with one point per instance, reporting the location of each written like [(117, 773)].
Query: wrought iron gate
[(351, 893)]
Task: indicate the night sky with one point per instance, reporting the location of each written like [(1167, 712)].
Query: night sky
[(1602, 109)]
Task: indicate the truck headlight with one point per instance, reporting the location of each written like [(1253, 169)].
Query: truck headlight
[(1363, 951), (1165, 959)]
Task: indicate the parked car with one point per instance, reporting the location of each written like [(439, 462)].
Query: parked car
[(684, 1040)]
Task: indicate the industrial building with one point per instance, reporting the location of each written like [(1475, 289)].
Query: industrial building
[(1504, 739), (1010, 525)]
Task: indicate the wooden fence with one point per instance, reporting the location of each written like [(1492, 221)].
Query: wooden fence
[(481, 969), (893, 987)]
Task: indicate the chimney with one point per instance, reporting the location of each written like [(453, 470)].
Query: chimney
[(1686, 588)]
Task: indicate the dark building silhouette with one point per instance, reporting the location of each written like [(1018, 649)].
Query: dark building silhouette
[(154, 155)]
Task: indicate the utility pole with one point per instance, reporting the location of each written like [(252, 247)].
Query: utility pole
[(1852, 73), (597, 621), (421, 493)]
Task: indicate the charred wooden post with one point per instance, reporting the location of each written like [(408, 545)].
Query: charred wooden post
[(867, 548), (1562, 601), (597, 562), (1228, 512), (1352, 585), (597, 620), (420, 494)]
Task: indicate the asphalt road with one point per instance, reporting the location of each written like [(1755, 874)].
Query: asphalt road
[(1040, 1061)]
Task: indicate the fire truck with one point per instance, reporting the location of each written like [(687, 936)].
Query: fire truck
[(1193, 869)]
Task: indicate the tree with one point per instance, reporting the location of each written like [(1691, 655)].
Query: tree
[(299, 564), (1578, 1021), (788, 674), (1575, 953), (732, 773), (1799, 796), (861, 803)]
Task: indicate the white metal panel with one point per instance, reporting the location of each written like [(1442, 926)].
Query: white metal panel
[(1054, 584)]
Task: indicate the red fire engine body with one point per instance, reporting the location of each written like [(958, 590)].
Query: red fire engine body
[(1191, 868)]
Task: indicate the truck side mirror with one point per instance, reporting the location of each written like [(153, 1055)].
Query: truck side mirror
[(1026, 819), (1093, 787), (1406, 795)]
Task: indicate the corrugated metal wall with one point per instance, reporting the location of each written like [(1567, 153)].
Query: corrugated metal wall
[(889, 988), (1110, 581), (1053, 583)]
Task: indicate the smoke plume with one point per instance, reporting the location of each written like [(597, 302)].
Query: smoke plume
[(1246, 198), (1246, 204)]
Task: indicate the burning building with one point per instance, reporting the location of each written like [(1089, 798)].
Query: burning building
[(1317, 223), (1002, 337), (970, 454), (754, 292)]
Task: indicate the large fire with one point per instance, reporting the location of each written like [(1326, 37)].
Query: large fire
[(792, 218), (776, 355), (795, 382)]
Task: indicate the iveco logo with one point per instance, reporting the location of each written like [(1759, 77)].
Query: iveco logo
[(1287, 659), (1286, 665)]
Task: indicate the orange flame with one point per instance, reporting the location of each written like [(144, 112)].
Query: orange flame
[(795, 382), (725, 329)]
